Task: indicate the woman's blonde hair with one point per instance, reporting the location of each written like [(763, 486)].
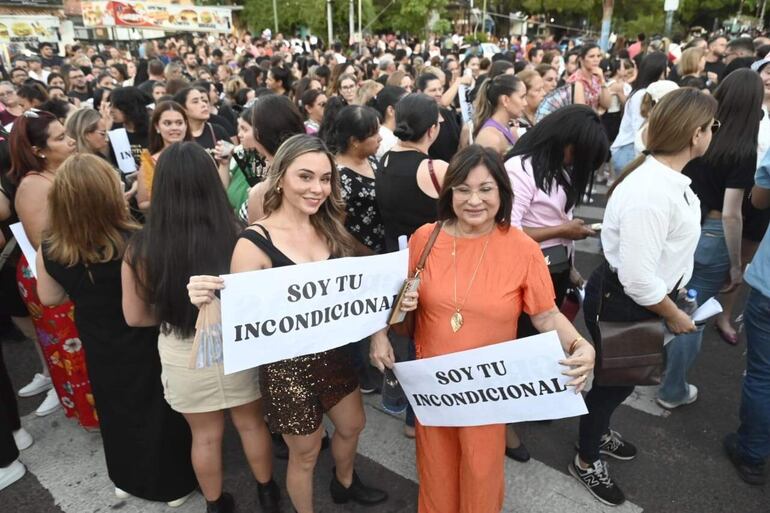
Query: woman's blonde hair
[(688, 62), (488, 98), (80, 123), (396, 77), (528, 76), (329, 220), (367, 90), (233, 85), (435, 70), (88, 218), (672, 124)]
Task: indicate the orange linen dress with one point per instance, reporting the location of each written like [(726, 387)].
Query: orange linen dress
[(461, 470)]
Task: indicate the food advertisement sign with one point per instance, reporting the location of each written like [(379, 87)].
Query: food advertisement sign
[(29, 29), (123, 13)]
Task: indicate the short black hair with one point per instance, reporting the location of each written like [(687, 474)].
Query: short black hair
[(274, 119), (460, 167), (742, 43), (422, 80)]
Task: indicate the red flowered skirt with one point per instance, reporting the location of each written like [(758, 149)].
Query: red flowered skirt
[(63, 351)]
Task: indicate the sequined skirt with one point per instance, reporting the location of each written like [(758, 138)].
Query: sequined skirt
[(297, 392)]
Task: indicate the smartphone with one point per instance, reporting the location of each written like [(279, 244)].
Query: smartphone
[(596, 227)]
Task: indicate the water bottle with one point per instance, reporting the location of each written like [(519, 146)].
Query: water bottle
[(689, 302), (393, 399)]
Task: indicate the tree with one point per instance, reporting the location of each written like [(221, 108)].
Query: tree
[(410, 16)]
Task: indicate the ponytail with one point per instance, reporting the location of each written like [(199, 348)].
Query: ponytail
[(488, 98)]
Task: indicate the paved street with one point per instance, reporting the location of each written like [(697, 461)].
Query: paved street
[(680, 469)]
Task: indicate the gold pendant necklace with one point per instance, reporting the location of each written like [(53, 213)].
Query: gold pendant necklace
[(456, 321)]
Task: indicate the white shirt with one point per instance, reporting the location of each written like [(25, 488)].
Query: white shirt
[(388, 141), (763, 141), (632, 120), (650, 231)]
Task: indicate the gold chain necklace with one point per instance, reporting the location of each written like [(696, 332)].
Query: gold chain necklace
[(456, 321)]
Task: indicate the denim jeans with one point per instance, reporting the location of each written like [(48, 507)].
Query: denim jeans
[(712, 267), (622, 157), (754, 432)]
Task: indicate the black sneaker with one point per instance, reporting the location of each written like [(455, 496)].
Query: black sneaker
[(752, 474), (597, 481), (613, 445)]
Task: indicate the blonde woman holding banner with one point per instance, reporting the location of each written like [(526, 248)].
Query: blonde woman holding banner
[(471, 295), (303, 223)]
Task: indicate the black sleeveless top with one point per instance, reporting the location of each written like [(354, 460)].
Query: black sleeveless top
[(402, 204), (265, 243)]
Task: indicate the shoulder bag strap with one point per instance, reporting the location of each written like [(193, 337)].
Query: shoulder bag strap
[(433, 177), (426, 250)]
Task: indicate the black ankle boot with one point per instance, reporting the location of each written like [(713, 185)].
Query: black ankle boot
[(224, 504), (269, 495), (356, 492)]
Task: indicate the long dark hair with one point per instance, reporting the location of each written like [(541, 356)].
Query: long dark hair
[(132, 102), (652, 67), (28, 131), (416, 113), (740, 96), (577, 127), (191, 230), (489, 95), (154, 139)]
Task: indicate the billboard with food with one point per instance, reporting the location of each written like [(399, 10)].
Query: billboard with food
[(125, 13), (29, 29)]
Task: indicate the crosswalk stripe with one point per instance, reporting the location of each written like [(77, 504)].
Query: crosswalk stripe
[(533, 486)]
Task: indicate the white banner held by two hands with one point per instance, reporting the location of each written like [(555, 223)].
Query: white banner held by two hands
[(285, 312), (509, 382)]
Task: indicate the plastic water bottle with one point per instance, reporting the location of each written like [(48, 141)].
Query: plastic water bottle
[(689, 303), (393, 399)]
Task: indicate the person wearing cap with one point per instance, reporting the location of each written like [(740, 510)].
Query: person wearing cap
[(652, 95)]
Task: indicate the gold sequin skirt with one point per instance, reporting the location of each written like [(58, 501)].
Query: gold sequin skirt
[(298, 391)]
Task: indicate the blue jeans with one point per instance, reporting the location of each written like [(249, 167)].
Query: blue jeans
[(754, 433), (712, 267), (622, 157)]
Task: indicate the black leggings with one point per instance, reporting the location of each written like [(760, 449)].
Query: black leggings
[(601, 401), (9, 416)]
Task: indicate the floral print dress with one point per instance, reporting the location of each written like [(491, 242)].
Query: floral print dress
[(363, 219), (62, 349)]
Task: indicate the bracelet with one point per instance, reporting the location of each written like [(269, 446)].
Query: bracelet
[(573, 344)]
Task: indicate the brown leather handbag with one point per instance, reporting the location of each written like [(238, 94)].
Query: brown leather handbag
[(629, 353), (400, 322)]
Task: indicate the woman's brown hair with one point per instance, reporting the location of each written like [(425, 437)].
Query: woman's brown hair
[(88, 219), (672, 124), (688, 62), (154, 139), (30, 130), (329, 220), (461, 166)]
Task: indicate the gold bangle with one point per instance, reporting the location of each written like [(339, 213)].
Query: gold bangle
[(573, 344)]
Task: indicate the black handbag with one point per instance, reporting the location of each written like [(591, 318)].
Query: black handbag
[(630, 350)]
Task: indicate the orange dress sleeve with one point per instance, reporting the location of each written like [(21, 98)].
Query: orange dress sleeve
[(147, 170), (537, 288)]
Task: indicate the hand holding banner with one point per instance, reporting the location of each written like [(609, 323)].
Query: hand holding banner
[(503, 383), (275, 314)]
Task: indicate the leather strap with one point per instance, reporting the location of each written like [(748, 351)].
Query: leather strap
[(433, 177), (426, 250)]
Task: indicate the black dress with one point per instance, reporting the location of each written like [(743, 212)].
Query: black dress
[(146, 443)]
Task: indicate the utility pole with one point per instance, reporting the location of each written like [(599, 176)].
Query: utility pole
[(762, 15), (351, 21), (275, 16), (670, 6), (604, 40), (329, 25), (360, 33)]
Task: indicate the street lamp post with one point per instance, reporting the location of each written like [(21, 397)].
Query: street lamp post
[(670, 6), (329, 24), (275, 15)]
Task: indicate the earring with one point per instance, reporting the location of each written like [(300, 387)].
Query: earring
[(278, 189), (41, 156)]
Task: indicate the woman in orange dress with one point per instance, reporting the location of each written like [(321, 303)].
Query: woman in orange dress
[(479, 277)]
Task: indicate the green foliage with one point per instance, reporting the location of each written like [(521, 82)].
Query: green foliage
[(408, 16), (293, 14)]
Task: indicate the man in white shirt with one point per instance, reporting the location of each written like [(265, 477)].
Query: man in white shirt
[(36, 70)]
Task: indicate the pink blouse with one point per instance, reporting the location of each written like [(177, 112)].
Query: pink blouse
[(533, 208)]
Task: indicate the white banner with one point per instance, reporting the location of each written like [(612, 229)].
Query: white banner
[(466, 109), (121, 146), (510, 382), (281, 313), (26, 246)]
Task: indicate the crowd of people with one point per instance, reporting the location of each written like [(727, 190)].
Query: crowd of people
[(253, 153)]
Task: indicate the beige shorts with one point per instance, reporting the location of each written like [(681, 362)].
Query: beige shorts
[(201, 390)]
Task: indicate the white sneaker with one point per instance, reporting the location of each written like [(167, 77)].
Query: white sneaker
[(181, 500), (22, 438), (38, 385), (11, 474), (691, 398), (49, 405), (121, 494)]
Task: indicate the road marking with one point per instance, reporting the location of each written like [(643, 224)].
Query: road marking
[(533, 487)]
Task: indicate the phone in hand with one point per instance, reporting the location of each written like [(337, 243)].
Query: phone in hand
[(596, 227)]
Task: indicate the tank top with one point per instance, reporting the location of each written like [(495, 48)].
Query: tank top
[(265, 243), (505, 131), (404, 207)]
